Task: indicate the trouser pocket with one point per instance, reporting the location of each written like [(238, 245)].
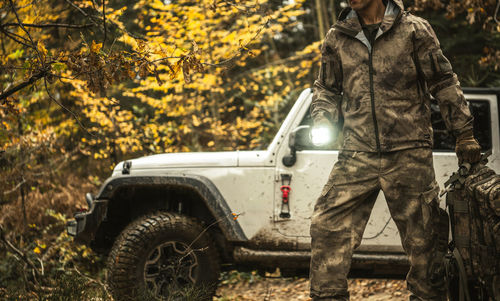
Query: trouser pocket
[(436, 220)]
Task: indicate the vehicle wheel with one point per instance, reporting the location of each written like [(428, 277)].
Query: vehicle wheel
[(165, 255)]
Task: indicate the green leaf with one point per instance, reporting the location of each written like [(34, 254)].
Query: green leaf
[(59, 66), (16, 54)]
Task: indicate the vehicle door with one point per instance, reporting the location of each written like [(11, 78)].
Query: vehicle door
[(307, 176)]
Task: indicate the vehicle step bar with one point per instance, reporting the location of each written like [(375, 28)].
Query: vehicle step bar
[(294, 259)]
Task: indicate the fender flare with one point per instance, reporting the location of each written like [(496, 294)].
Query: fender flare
[(207, 191)]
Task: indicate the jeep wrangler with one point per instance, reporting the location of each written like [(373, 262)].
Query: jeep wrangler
[(172, 220)]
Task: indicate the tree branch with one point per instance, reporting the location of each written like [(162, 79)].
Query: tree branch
[(34, 78), (242, 49), (25, 30), (15, 188), (78, 8), (47, 25), (66, 109), (104, 21), (19, 253), (92, 280), (14, 37)]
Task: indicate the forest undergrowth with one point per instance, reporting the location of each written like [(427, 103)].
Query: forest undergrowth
[(38, 259)]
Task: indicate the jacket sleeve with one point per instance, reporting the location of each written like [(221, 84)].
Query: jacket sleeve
[(327, 88), (442, 83)]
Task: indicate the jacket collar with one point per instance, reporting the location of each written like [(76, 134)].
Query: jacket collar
[(348, 21)]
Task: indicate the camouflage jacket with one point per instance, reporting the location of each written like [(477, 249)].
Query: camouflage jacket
[(382, 92)]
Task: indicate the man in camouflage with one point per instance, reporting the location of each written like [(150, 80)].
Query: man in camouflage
[(379, 66)]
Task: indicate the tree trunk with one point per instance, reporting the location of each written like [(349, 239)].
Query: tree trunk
[(333, 11), (326, 19), (320, 8)]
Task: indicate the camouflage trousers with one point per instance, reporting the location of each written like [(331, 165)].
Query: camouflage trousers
[(342, 211)]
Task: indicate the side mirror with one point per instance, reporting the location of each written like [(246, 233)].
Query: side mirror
[(299, 139)]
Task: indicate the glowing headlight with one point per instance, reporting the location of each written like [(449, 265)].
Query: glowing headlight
[(321, 136)]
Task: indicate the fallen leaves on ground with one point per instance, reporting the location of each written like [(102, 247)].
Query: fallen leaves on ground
[(298, 289)]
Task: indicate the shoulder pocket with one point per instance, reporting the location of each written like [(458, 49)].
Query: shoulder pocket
[(330, 69), (440, 64)]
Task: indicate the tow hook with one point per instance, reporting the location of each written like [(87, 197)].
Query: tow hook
[(285, 197)]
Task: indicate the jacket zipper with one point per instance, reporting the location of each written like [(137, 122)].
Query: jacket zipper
[(372, 99)]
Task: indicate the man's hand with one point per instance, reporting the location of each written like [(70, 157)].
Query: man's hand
[(467, 148), (322, 132)]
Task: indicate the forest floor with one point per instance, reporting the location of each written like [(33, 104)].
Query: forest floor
[(266, 289)]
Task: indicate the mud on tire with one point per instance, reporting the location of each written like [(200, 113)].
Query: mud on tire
[(164, 255)]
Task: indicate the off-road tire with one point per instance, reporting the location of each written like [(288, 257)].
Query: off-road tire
[(144, 237)]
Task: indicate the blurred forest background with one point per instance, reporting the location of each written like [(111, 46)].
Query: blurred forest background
[(85, 84)]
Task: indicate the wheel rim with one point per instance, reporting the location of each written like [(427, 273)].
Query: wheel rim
[(169, 267)]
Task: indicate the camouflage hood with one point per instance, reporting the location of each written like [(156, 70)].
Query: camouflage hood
[(382, 91), (348, 21)]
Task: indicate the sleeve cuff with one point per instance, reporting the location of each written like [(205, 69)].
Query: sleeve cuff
[(321, 117)]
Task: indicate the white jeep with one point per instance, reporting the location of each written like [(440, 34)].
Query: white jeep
[(171, 220)]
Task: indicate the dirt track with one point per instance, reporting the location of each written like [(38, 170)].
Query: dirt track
[(298, 289)]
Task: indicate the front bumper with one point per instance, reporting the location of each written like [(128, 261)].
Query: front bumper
[(85, 224)]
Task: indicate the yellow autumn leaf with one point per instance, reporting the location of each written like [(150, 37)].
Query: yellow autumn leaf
[(95, 47), (196, 121), (127, 39), (173, 116), (41, 48)]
